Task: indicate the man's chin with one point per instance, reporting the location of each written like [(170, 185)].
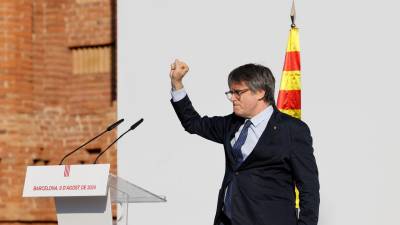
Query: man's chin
[(238, 113)]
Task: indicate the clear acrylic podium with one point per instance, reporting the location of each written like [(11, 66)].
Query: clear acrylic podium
[(123, 192), (83, 193)]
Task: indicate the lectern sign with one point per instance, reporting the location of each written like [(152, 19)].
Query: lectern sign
[(66, 180)]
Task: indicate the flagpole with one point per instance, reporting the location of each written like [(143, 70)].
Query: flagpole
[(297, 202), (293, 15), (289, 97)]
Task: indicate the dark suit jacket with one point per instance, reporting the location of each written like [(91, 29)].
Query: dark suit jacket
[(263, 185)]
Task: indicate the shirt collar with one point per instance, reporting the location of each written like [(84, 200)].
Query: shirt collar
[(262, 116)]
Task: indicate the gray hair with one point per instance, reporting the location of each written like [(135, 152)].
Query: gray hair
[(256, 77)]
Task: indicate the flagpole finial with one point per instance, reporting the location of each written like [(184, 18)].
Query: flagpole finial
[(293, 14)]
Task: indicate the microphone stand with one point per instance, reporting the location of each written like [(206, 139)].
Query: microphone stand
[(109, 146), (111, 127)]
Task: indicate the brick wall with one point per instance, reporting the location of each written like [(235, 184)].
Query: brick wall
[(45, 108)]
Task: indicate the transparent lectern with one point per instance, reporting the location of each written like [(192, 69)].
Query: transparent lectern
[(124, 192), (83, 193)]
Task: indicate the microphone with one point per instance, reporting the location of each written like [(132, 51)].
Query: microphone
[(109, 146), (109, 128), (114, 125)]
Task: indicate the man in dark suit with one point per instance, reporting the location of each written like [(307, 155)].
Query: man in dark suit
[(267, 153)]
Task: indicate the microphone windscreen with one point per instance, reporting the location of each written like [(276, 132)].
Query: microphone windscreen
[(114, 125), (136, 124)]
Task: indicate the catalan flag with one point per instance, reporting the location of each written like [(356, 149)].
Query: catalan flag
[(289, 97)]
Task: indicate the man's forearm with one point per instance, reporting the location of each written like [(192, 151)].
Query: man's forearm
[(176, 85)]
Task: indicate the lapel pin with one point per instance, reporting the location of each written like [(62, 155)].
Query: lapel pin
[(275, 128)]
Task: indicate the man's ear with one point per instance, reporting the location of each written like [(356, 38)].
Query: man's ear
[(261, 94)]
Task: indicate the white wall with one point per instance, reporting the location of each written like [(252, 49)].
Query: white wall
[(350, 100)]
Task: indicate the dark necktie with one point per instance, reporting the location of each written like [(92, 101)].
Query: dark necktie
[(238, 156), (237, 147)]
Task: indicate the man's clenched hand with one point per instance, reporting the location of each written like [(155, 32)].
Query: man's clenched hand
[(177, 72)]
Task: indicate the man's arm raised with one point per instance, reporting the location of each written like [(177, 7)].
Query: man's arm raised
[(211, 128)]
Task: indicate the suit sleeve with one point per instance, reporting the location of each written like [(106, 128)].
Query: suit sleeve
[(211, 128), (305, 173)]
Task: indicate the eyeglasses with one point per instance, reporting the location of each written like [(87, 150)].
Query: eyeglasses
[(236, 93)]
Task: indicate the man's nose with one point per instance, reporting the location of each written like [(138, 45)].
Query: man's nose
[(234, 98), (234, 101)]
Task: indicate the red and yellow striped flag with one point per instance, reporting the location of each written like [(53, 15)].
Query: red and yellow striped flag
[(289, 98)]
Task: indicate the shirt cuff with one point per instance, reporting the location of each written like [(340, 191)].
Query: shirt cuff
[(178, 94)]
